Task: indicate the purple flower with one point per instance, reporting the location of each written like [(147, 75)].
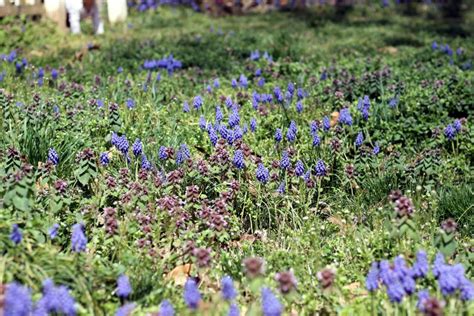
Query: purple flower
[(53, 231), (234, 118), (78, 238), (421, 266), (307, 176), (278, 135), (467, 290), (326, 124), (299, 168), (372, 280), (316, 140), (197, 102), (233, 310), (376, 149), (137, 147), (53, 156), (393, 102), (227, 288), (219, 115), (258, 72), (17, 300), (228, 102), (281, 188), (125, 310), (146, 165), (395, 292), (124, 289), (16, 236), (216, 83), (54, 74), (183, 154), (450, 132), (438, 264), (301, 94), (285, 161), (262, 173), (130, 103), (202, 122), (278, 94), (292, 131), (345, 117), (213, 137), (166, 309), (234, 83), (423, 295), (162, 153), (291, 88), (299, 107), (186, 107), (261, 82), (239, 162), (253, 124), (359, 139), (457, 125), (104, 158), (320, 168), (270, 304), (243, 81), (55, 300), (192, 297), (434, 46)]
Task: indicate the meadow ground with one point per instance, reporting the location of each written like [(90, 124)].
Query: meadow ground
[(322, 160)]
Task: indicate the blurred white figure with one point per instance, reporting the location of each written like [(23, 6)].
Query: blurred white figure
[(78, 9)]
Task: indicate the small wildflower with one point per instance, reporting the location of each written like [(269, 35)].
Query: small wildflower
[(124, 289), (16, 236), (192, 297)]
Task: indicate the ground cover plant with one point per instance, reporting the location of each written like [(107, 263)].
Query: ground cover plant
[(289, 163)]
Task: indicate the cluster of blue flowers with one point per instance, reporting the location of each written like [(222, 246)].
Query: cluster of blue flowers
[(400, 279), (168, 63), (451, 130)]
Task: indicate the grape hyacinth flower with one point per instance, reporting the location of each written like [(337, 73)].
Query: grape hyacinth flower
[(53, 156), (291, 88), (124, 289), (227, 288), (146, 165), (216, 83), (359, 139), (320, 168), (125, 310), (16, 236), (78, 238), (421, 266), (450, 132), (202, 122), (234, 118), (54, 74), (53, 231), (234, 83), (326, 124), (261, 82), (434, 45), (376, 149), (219, 115), (213, 137), (166, 309), (285, 161), (345, 117), (299, 107), (130, 103), (423, 295), (104, 159), (239, 162), (278, 135), (316, 140), (192, 297), (186, 107), (253, 125), (372, 280), (299, 168), (183, 154), (243, 82), (137, 147), (393, 102), (457, 125), (233, 310), (292, 131), (17, 300), (271, 306), (197, 102), (55, 300), (301, 94), (281, 188), (262, 173)]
